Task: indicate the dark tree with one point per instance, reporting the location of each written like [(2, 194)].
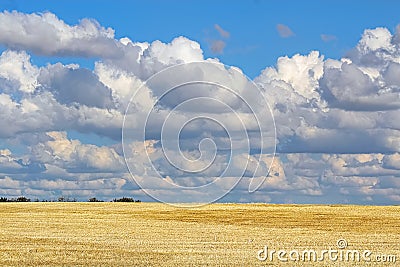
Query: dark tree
[(93, 199), (22, 199), (124, 199)]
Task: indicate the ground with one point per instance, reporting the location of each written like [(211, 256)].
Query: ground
[(154, 234)]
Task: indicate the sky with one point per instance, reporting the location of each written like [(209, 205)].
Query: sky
[(71, 71)]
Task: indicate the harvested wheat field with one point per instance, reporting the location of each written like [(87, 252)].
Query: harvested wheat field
[(150, 234)]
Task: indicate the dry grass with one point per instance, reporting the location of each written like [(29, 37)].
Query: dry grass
[(144, 234)]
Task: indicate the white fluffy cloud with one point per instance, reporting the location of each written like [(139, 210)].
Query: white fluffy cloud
[(74, 156), (46, 34), (338, 106), (17, 72)]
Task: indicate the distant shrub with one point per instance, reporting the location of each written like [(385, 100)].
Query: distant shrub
[(125, 199), (22, 199), (93, 199), (66, 199)]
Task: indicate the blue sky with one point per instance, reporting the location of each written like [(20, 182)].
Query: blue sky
[(328, 73)]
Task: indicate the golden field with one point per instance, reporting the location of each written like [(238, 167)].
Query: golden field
[(154, 234)]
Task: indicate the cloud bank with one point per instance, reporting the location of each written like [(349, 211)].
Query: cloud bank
[(338, 132)]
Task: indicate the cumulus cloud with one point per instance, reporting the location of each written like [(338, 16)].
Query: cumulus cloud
[(284, 31), (9, 164), (338, 106), (392, 161), (74, 156), (376, 49), (180, 50), (17, 72), (80, 86), (53, 97), (143, 59), (350, 87), (46, 34), (59, 166)]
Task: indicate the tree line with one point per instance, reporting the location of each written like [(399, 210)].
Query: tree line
[(66, 199)]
